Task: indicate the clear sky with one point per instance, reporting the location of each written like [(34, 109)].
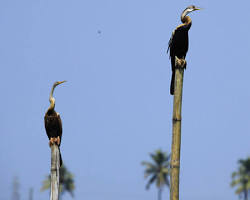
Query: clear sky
[(116, 106)]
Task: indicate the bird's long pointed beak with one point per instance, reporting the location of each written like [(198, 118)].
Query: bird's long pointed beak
[(60, 82), (198, 8)]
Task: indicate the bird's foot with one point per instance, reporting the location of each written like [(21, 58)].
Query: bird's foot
[(51, 141), (55, 140), (180, 62), (58, 140)]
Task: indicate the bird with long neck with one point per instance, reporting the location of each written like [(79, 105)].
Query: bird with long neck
[(53, 114), (178, 43), (52, 121)]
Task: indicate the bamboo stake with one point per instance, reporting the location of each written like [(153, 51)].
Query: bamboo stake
[(180, 65), (55, 165)]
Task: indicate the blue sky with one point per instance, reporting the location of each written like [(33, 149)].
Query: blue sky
[(116, 106)]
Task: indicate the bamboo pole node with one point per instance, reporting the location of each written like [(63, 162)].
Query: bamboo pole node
[(176, 120), (175, 164)]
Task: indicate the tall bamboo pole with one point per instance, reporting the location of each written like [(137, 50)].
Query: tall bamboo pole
[(180, 65), (55, 165)]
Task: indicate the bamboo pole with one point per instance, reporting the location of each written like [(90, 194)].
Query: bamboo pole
[(55, 165), (180, 65)]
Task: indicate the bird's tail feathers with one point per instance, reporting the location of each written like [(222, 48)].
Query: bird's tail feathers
[(61, 162), (173, 75), (172, 83)]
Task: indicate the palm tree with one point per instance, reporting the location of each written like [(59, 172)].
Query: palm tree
[(66, 182), (158, 170), (241, 178), (15, 189)]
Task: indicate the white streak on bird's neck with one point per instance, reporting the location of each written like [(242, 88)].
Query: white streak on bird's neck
[(52, 99)]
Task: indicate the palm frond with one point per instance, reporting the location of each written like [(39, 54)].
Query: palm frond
[(46, 184), (166, 180), (151, 180)]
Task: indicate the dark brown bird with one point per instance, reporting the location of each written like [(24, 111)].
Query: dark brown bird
[(52, 121), (178, 43)]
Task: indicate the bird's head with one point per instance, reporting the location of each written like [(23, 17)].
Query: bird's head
[(190, 9), (58, 83)]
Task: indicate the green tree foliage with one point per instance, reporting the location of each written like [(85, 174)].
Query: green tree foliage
[(241, 178), (66, 182), (158, 171)]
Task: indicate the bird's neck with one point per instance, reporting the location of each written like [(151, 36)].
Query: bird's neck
[(52, 104), (186, 20), (52, 99)]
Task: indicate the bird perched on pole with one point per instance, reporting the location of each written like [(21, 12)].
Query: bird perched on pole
[(178, 43), (52, 121)]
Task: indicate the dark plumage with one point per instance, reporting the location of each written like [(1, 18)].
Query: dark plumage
[(178, 43), (53, 123), (53, 127)]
